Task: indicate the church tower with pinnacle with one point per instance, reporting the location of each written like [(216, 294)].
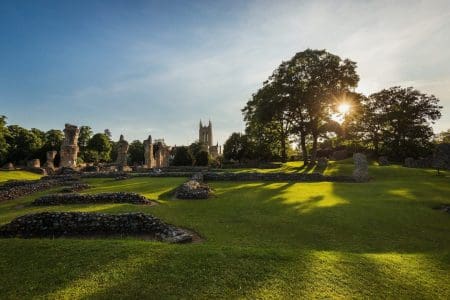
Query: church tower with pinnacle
[(205, 137)]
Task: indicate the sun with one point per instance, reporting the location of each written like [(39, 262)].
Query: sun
[(344, 108)]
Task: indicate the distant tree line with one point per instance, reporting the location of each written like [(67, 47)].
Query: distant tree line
[(18, 144), (301, 101)]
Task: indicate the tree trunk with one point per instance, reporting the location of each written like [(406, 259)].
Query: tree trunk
[(283, 149), (314, 149), (304, 149)]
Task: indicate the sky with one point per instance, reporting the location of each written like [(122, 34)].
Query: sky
[(148, 67)]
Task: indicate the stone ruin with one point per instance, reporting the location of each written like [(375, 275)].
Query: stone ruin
[(57, 224), (157, 154), (69, 147), (8, 166), (149, 159), (50, 163), (194, 188), (122, 151), (34, 163), (162, 155), (361, 171)]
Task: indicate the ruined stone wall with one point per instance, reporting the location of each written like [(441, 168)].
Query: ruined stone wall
[(149, 159), (122, 151), (69, 147)]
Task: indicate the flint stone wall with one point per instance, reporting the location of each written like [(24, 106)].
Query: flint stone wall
[(74, 198), (15, 189), (18, 188), (57, 224)]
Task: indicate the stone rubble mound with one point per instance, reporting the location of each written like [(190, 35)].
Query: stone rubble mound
[(74, 198), (60, 224), (194, 188)]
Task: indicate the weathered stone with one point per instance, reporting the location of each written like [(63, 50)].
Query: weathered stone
[(74, 198), (322, 163), (50, 163), (162, 154), (361, 171), (34, 163), (194, 188), (57, 224), (383, 161), (8, 166), (122, 150), (69, 147), (149, 159)]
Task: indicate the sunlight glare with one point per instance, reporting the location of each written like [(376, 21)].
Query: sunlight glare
[(344, 108)]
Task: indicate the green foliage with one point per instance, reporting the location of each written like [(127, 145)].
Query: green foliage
[(84, 137), (202, 158), (238, 147), (4, 147), (301, 95), (23, 144), (101, 144), (136, 153), (182, 157), (396, 122), (443, 137), (196, 147)]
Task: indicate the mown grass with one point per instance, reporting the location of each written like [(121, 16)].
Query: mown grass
[(17, 175), (380, 239)]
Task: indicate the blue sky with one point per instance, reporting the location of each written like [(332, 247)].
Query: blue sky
[(145, 67)]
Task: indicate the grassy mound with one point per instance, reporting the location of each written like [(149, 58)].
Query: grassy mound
[(378, 239)]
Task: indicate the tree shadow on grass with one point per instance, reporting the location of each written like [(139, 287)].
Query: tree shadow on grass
[(287, 239)]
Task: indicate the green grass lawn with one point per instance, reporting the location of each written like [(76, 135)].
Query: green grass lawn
[(17, 175), (380, 239)]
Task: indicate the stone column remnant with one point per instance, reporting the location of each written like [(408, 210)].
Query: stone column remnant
[(69, 147), (361, 171), (122, 150), (49, 164), (34, 163), (149, 159)]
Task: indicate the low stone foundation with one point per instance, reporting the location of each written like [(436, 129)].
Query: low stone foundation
[(14, 189), (73, 198), (75, 187), (59, 224)]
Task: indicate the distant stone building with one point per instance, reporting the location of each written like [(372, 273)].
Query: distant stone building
[(156, 154), (205, 137)]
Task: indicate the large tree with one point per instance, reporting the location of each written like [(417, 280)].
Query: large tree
[(100, 144), (302, 94), (23, 144), (136, 152), (4, 146), (397, 122), (182, 157)]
